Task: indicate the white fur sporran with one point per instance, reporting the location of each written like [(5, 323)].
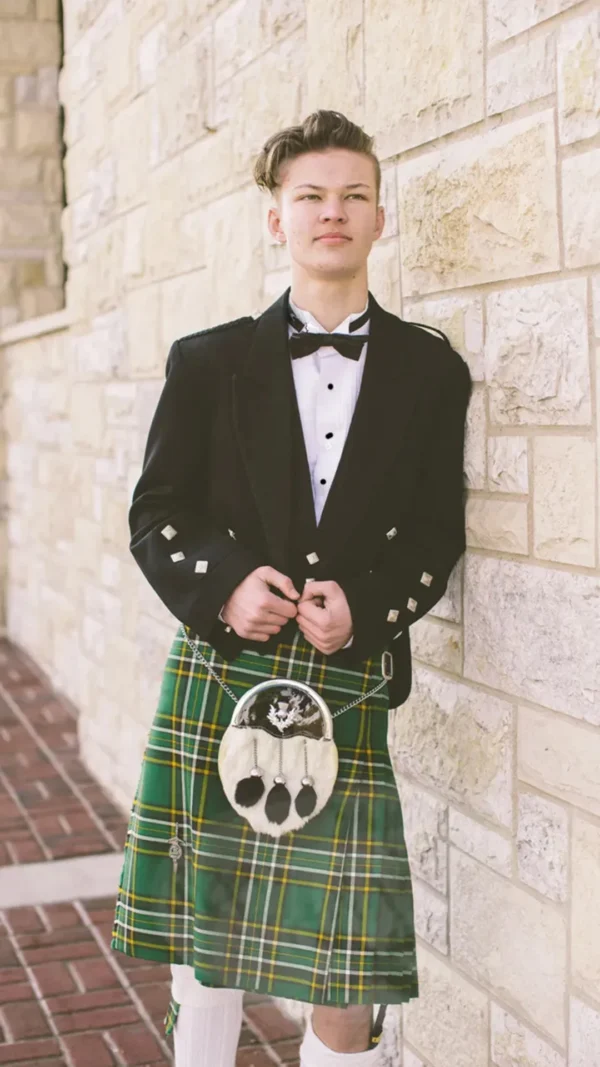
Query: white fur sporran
[(278, 761)]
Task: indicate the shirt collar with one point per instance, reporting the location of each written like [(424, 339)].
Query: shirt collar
[(314, 326)]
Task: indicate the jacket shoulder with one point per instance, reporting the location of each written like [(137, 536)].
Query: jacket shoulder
[(224, 329), (439, 346)]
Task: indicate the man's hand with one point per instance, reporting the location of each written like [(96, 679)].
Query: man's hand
[(253, 611), (324, 616)]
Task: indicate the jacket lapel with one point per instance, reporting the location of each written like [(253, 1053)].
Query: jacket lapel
[(264, 404)]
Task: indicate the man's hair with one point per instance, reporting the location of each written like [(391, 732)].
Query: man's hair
[(319, 131)]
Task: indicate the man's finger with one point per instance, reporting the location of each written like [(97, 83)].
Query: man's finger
[(314, 614)]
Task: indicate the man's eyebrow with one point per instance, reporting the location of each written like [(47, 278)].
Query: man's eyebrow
[(353, 185)]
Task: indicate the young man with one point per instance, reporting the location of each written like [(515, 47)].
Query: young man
[(300, 505)]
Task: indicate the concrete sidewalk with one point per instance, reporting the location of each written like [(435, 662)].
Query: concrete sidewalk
[(65, 997)]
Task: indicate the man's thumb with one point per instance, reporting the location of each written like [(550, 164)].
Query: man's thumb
[(281, 582)]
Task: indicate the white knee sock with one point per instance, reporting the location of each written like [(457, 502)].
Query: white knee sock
[(209, 1022), (313, 1053)]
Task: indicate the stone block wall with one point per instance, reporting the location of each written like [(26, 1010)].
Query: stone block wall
[(31, 173), (487, 122)]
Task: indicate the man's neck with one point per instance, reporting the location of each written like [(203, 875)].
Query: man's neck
[(330, 303)]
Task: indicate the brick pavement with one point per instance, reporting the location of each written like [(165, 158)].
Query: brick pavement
[(65, 997)]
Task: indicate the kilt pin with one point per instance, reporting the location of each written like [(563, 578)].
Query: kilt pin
[(322, 914)]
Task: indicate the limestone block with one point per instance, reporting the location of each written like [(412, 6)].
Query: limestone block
[(437, 644), (247, 28), (6, 128), (47, 87), (497, 524), (16, 9), (559, 757), (110, 570), (403, 107), (103, 188), (26, 45), (425, 828), (119, 61), (184, 306), (482, 209), (507, 464), (533, 632), (183, 96), (207, 171), (477, 840), (163, 240), (47, 10), (87, 546), (410, 1060), (132, 152), (53, 181), (388, 199), (431, 916), (6, 94), (522, 954), (506, 19), (28, 224), (42, 301), (152, 51), (447, 1023), (384, 274), (542, 845), (514, 1045), (133, 251), (26, 87), (526, 72), (337, 83), (458, 741), (100, 353), (193, 252), (578, 78), (584, 1046), (233, 233), (563, 499), (585, 889), (146, 356), (252, 94), (475, 440), (449, 606), (581, 209), (461, 319), (536, 355), (7, 282), (87, 415), (104, 279)]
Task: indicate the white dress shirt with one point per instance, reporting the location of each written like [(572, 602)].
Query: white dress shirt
[(327, 386)]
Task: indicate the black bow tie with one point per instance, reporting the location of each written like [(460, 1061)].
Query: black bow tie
[(303, 343)]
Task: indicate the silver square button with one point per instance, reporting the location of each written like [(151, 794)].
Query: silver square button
[(426, 578), (169, 532), (201, 566), (412, 604), (312, 557), (231, 534), (177, 556), (393, 615), (391, 533)]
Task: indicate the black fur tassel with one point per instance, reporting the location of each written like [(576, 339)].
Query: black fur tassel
[(249, 791), (277, 804), (306, 801)]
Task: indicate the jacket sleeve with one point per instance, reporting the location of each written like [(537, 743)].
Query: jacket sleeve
[(191, 564), (419, 559)]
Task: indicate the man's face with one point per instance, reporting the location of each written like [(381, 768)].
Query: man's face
[(324, 192)]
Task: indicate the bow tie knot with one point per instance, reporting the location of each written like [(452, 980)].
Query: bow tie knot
[(302, 344)]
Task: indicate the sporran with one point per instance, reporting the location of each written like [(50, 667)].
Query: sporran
[(278, 760)]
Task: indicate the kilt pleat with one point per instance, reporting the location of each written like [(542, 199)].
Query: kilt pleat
[(323, 914)]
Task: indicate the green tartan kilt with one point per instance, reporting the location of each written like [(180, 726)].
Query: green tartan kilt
[(323, 914)]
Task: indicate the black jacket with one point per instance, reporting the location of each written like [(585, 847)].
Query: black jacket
[(217, 470)]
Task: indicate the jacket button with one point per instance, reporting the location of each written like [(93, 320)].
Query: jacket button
[(312, 557), (393, 615), (201, 566), (426, 578), (177, 556), (169, 532), (412, 604)]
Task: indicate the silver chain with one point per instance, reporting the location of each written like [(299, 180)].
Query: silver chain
[(197, 653)]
